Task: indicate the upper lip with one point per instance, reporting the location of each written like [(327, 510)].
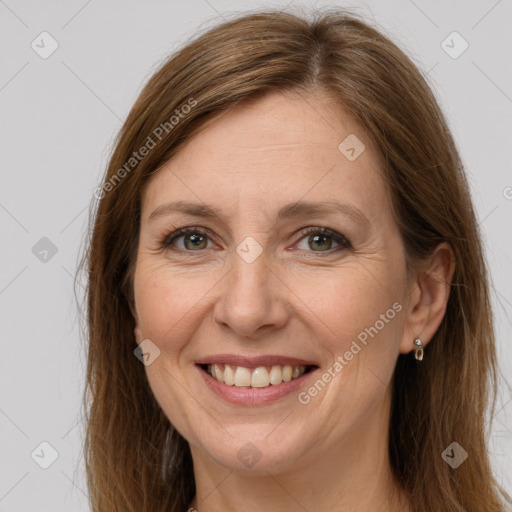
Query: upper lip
[(254, 361)]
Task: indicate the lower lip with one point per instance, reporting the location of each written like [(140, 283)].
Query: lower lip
[(254, 396)]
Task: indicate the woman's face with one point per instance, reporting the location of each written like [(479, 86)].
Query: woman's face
[(253, 287)]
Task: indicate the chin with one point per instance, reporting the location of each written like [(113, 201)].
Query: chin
[(256, 455)]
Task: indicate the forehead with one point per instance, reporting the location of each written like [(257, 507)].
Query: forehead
[(263, 153)]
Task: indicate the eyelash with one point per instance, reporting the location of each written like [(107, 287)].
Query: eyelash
[(343, 243)]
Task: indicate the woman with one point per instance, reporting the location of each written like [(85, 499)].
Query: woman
[(288, 304)]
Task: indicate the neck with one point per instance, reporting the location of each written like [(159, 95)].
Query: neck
[(355, 476)]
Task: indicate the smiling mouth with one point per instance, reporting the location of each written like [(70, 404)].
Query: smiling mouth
[(259, 377)]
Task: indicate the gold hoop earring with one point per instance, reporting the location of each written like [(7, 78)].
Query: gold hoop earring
[(418, 353)]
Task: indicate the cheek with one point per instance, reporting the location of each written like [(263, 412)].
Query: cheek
[(351, 304), (338, 305), (167, 306), (359, 321), (167, 302)]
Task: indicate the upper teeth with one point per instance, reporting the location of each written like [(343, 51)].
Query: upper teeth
[(260, 377)]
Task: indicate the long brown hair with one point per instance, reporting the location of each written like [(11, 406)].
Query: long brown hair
[(135, 459)]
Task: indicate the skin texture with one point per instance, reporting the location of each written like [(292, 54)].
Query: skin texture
[(295, 299)]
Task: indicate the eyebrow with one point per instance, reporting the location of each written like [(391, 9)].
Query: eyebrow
[(288, 211)]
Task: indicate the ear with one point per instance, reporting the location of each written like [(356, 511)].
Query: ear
[(428, 297)]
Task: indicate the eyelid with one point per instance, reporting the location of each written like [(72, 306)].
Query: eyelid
[(165, 241), (343, 243), (339, 238)]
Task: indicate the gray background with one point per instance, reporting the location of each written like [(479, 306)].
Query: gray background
[(58, 119)]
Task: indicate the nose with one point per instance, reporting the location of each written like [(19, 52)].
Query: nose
[(253, 299)]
